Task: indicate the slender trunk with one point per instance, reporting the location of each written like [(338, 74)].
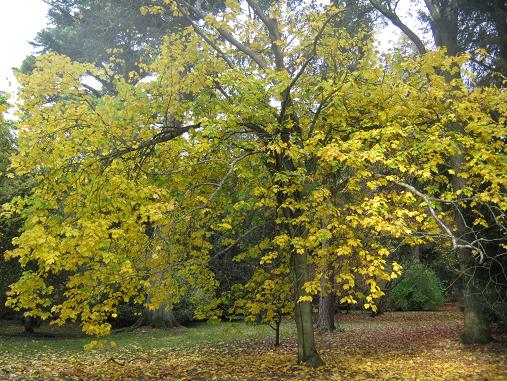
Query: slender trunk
[(300, 269), (277, 332), (307, 352), (325, 318)]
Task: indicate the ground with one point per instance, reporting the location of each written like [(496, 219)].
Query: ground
[(394, 346)]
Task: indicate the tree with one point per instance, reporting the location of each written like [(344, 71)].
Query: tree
[(123, 35), (312, 139), (10, 188), (266, 298), (463, 27), (449, 24)]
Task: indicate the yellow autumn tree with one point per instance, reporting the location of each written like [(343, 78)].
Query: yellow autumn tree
[(251, 112)]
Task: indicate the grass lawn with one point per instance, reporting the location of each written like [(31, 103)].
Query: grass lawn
[(394, 346), (69, 340)]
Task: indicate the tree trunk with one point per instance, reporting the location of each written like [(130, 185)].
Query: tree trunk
[(444, 25), (415, 252), (307, 352), (477, 329), (500, 18), (325, 320), (160, 318), (477, 326), (277, 332), (30, 323), (327, 298)]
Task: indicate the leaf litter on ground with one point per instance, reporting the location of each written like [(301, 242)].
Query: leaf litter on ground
[(392, 346)]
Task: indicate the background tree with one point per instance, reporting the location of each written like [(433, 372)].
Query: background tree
[(121, 36), (450, 23), (10, 188)]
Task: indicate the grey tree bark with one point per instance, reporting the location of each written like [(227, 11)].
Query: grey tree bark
[(325, 319), (327, 299), (307, 352)]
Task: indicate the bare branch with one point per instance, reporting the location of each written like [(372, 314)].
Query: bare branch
[(455, 240), (313, 53), (157, 139), (390, 13), (226, 34), (274, 33)]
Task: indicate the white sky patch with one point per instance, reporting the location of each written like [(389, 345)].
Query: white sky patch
[(20, 20)]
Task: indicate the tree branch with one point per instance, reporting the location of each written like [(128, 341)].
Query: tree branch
[(208, 40), (455, 240), (287, 90), (225, 34), (225, 250), (157, 139), (274, 33), (390, 13)]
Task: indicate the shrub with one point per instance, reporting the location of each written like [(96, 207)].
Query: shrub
[(417, 289)]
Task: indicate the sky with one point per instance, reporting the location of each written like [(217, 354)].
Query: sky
[(20, 20)]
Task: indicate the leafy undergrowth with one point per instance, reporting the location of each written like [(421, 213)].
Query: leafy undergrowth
[(394, 346)]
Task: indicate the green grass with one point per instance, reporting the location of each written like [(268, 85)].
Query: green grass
[(67, 341)]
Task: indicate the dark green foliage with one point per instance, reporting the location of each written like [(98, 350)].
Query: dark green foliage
[(483, 24), (95, 31), (184, 311), (110, 32), (27, 65), (9, 273), (418, 289), (128, 315), (9, 226)]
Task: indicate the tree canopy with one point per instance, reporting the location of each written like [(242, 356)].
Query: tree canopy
[(254, 118)]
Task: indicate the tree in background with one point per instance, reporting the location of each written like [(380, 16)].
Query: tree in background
[(10, 188), (417, 289), (476, 228), (121, 36)]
